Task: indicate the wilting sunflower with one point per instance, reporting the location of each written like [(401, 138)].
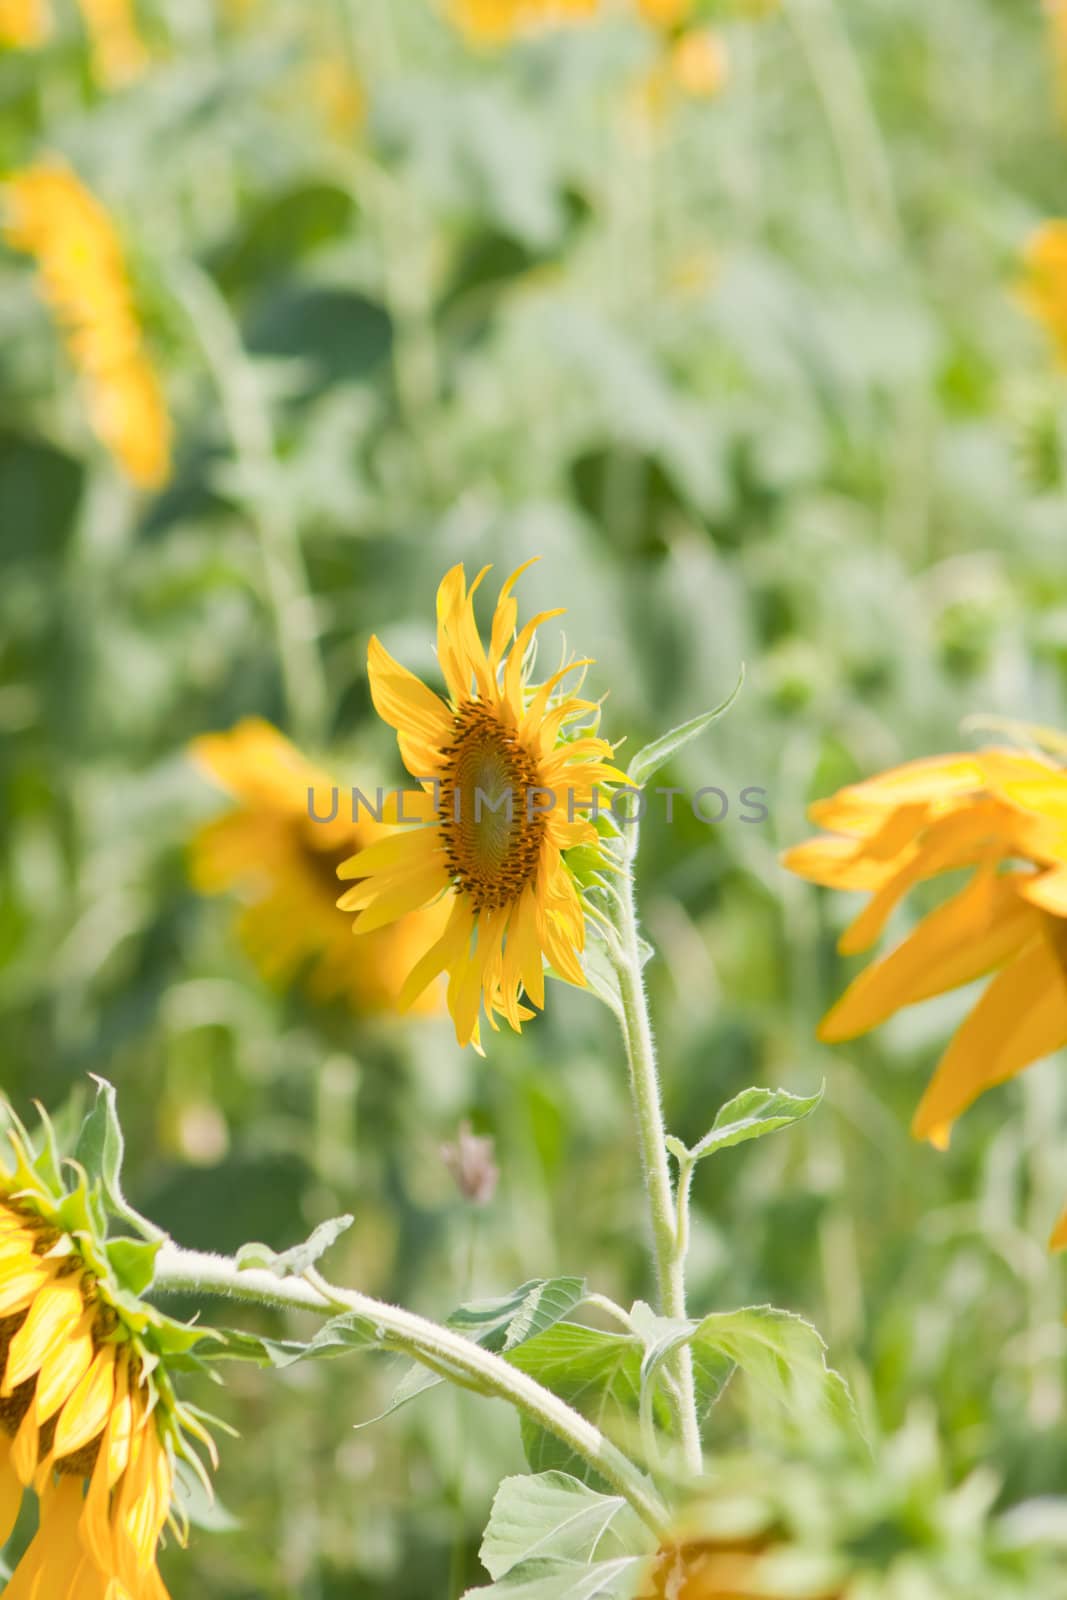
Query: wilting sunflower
[(285, 864), (83, 278), (1001, 815), (88, 1417), (508, 770), (1043, 289)]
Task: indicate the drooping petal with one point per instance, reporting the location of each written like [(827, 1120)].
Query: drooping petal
[(974, 933), (1021, 1017)]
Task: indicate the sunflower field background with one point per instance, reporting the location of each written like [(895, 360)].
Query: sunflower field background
[(718, 308)]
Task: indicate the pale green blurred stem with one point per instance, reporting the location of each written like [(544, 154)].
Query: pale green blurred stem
[(445, 1352), (669, 1225), (252, 435), (854, 128)]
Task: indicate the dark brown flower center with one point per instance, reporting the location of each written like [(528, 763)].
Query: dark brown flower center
[(491, 813)]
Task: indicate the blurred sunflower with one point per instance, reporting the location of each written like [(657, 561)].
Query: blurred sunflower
[(504, 775), (493, 21), (286, 864), (118, 51), (1002, 815), (1056, 11), (83, 278), (1043, 289), (88, 1418), (23, 23), (730, 1569)]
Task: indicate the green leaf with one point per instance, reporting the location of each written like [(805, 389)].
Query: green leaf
[(647, 762), (712, 1370), (568, 1580), (294, 1262), (554, 1515), (598, 1373), (100, 1149), (784, 1359), (749, 1115), (133, 1262)]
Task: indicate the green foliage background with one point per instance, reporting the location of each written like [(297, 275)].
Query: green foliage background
[(752, 381)]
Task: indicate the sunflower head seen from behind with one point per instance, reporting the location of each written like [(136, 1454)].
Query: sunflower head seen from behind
[(508, 771)]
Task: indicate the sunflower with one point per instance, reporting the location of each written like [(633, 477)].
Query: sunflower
[(494, 21), (83, 278), (505, 771), (286, 864), (118, 51), (88, 1419), (23, 23), (1043, 290), (1000, 815), (727, 1569)]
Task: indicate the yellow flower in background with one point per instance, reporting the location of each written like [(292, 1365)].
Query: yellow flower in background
[(494, 21), (1001, 815), (88, 1420), (285, 864), (727, 1570), (118, 51), (1056, 11), (1044, 286), (698, 63), (505, 778), (83, 279), (24, 23)]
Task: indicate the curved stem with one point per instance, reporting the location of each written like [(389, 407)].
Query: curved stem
[(667, 1241), (441, 1349)]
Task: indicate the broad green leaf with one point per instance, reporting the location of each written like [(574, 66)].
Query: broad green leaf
[(598, 1373), (784, 1359), (749, 1115), (568, 1580), (647, 762), (661, 1336), (555, 1515)]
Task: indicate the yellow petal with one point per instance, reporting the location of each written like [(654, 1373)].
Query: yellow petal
[(976, 931), (86, 1412), (1021, 1017), (53, 1316), (404, 701)]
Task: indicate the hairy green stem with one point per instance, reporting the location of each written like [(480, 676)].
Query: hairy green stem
[(441, 1349), (668, 1243)]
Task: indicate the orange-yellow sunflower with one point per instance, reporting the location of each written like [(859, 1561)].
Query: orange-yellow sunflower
[(1043, 289), (88, 1419), (508, 769), (118, 51), (285, 863), (1001, 815)]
